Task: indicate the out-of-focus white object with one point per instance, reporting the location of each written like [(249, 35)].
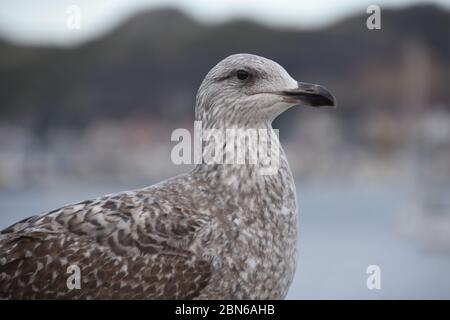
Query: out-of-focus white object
[(427, 219)]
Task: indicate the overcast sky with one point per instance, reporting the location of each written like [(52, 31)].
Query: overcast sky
[(44, 21)]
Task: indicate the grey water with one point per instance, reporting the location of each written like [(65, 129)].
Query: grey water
[(343, 230)]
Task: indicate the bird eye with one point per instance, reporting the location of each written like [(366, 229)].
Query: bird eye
[(242, 75)]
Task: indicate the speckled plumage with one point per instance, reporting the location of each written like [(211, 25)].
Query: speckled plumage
[(219, 232)]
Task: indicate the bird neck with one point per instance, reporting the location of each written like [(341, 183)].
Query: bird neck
[(239, 156)]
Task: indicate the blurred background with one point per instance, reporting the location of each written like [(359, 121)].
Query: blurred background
[(89, 111)]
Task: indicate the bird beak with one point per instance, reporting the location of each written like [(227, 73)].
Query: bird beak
[(310, 95)]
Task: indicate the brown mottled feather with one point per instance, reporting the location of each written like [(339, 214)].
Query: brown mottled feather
[(110, 277), (155, 261)]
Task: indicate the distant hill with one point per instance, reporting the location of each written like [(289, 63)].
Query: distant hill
[(153, 63)]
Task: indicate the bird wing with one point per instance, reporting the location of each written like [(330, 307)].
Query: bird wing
[(130, 245)]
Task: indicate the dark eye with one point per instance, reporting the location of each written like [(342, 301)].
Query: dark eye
[(242, 75)]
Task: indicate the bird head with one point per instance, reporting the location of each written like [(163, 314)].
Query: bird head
[(245, 90)]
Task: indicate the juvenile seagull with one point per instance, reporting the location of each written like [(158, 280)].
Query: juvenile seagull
[(221, 231)]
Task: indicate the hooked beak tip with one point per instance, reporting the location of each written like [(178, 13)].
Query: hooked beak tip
[(310, 95)]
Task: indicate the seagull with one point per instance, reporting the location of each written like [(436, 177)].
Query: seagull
[(221, 231)]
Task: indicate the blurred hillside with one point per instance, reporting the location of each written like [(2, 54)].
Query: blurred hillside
[(100, 105), (153, 64)]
